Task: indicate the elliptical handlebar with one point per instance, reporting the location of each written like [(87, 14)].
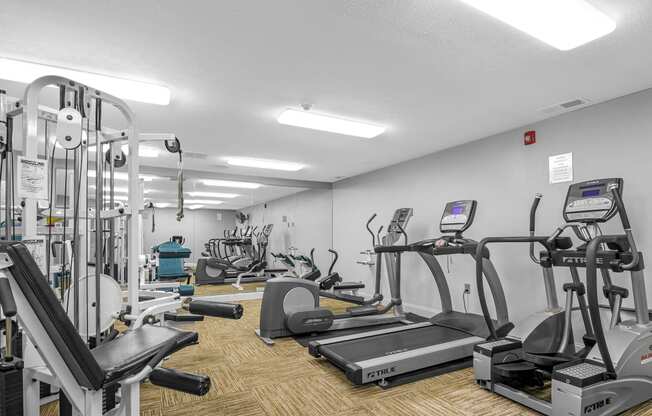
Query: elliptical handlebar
[(312, 259), (533, 216), (405, 236), (618, 199), (330, 269), (378, 234), (373, 238), (479, 272), (592, 297)]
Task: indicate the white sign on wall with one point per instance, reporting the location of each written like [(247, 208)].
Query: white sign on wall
[(560, 168), (32, 178), (219, 217)]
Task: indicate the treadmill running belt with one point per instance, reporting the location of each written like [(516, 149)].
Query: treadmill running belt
[(387, 344), (304, 339)]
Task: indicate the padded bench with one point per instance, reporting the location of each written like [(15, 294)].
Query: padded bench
[(107, 364)]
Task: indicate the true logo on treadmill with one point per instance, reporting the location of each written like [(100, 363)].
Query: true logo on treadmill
[(382, 373), (597, 405)]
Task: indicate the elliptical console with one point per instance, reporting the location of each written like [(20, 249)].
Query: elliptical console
[(592, 201)]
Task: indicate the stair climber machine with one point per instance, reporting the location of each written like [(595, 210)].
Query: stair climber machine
[(290, 306), (612, 371), (445, 342), (334, 287), (331, 285)]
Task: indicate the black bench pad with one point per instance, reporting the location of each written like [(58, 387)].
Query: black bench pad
[(130, 352)]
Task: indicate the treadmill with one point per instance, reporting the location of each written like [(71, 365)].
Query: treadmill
[(443, 343)]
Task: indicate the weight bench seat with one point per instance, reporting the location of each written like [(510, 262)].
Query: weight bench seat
[(112, 361), (129, 353)]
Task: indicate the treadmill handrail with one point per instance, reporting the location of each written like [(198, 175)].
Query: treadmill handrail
[(479, 275)]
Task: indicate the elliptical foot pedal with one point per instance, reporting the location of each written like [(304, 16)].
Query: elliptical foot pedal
[(518, 373), (516, 369)]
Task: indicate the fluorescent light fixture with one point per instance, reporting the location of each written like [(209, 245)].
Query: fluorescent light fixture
[(123, 176), (143, 151), (26, 72), (117, 190), (264, 164), (563, 24), (194, 206), (147, 151), (333, 124), (211, 194), (162, 204), (117, 198), (231, 184), (204, 201)]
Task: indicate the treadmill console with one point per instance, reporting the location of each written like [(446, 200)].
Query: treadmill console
[(457, 216), (401, 217), (591, 201)]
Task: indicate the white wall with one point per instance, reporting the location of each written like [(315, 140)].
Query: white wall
[(197, 227), (302, 220), (610, 139)]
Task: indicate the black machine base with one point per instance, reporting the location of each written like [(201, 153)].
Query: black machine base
[(424, 373)]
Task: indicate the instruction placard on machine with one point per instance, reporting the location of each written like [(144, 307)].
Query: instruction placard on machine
[(32, 178), (36, 246), (560, 168)]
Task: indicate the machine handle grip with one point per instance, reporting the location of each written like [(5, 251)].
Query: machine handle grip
[(216, 309), (373, 238), (405, 237), (330, 269), (7, 299), (533, 212), (618, 199), (197, 385)]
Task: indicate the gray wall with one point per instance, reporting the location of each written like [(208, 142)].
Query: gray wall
[(197, 227), (302, 220), (610, 139)]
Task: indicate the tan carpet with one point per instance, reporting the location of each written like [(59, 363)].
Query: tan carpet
[(251, 378)]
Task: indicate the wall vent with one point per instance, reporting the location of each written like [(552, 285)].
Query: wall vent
[(566, 106)]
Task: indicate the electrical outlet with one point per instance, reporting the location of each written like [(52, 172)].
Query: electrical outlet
[(467, 288)]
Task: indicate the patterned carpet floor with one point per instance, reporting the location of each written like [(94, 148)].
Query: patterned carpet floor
[(253, 379)]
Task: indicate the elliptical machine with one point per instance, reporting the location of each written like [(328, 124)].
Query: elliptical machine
[(290, 306), (589, 380)]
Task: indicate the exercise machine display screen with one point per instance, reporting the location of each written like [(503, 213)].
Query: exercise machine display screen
[(591, 201), (591, 192), (457, 216), (401, 217)]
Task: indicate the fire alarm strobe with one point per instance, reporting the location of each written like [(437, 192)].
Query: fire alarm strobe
[(529, 137)]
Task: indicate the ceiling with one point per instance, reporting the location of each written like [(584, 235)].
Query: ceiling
[(436, 72)]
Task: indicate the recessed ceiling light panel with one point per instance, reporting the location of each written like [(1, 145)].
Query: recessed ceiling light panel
[(26, 72), (264, 164), (231, 184), (330, 123), (204, 201), (211, 194), (563, 24)]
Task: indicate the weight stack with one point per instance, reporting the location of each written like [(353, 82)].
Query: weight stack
[(11, 388)]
